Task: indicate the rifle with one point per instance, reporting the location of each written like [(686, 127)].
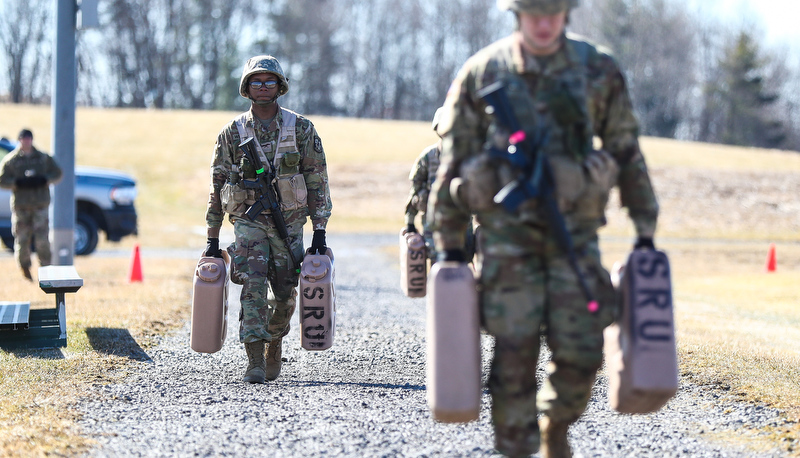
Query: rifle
[(268, 199), (535, 179)]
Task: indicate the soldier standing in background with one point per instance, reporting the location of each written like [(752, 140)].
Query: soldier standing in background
[(527, 288), (260, 259), (29, 173)]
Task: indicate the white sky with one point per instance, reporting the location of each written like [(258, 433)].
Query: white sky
[(777, 20)]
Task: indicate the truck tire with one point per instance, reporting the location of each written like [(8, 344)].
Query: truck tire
[(86, 235)]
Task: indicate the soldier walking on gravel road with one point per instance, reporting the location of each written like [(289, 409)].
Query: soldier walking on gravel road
[(288, 145), (422, 175), (29, 173), (562, 91)]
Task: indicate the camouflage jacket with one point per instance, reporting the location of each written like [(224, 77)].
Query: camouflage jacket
[(422, 175), (576, 93), (312, 165), (17, 165)]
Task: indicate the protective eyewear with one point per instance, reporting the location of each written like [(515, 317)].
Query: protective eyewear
[(265, 84)]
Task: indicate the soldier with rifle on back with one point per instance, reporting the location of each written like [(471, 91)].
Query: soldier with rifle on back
[(269, 175), (518, 127)]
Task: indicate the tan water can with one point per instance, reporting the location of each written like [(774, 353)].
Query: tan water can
[(317, 301), (413, 264), (640, 350), (209, 324), (453, 370)]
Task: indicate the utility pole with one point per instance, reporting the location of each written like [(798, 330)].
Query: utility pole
[(65, 75)]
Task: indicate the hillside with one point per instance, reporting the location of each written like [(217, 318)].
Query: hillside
[(705, 191)]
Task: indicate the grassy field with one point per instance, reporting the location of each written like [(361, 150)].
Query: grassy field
[(738, 327)]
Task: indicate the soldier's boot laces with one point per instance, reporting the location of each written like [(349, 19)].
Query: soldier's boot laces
[(274, 359), (553, 434), (256, 366), (26, 271)]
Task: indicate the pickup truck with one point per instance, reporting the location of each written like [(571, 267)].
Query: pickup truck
[(104, 201)]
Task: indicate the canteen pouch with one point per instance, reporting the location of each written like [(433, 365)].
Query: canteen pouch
[(234, 199), (482, 178), (601, 175), (570, 182), (289, 163), (292, 191)]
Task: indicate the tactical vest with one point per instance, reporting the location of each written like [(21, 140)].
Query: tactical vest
[(554, 105), (289, 182)]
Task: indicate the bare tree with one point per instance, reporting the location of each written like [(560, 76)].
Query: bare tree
[(172, 53), (653, 42), (23, 38)]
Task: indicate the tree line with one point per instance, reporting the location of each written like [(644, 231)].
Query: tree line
[(689, 78)]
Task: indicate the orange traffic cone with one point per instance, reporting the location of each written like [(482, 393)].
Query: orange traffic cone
[(136, 266), (772, 263)]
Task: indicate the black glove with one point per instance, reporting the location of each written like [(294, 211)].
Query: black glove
[(318, 242), (411, 228), (212, 248), (451, 255), (644, 242)]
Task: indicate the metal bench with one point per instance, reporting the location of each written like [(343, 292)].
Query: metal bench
[(21, 327)]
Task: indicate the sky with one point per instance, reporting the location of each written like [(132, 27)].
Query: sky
[(777, 19)]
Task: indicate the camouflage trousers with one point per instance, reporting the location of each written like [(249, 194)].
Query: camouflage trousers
[(260, 263), (525, 299), (27, 224)]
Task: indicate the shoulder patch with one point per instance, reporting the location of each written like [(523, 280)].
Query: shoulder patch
[(317, 144)]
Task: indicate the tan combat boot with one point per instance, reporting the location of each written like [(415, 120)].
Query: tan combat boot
[(553, 434), (256, 366), (274, 358)]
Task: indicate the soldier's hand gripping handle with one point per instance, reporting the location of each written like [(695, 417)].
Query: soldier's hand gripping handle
[(318, 242), (212, 248), (644, 243), (452, 255)]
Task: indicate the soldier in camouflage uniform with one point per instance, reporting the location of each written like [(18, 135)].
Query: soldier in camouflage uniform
[(260, 259), (422, 176), (526, 286), (29, 172)]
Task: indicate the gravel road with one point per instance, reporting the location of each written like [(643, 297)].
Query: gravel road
[(363, 397)]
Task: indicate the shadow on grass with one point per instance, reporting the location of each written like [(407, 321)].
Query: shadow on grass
[(117, 342), (40, 353)]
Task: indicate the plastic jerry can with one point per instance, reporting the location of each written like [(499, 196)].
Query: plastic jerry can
[(640, 350), (317, 301), (453, 369), (413, 264), (209, 305)]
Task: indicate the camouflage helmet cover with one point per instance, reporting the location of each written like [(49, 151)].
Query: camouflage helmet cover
[(542, 7), (263, 64)]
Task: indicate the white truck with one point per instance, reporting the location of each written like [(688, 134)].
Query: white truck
[(104, 201)]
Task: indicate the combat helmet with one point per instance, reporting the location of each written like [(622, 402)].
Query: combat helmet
[(544, 7), (263, 64)]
